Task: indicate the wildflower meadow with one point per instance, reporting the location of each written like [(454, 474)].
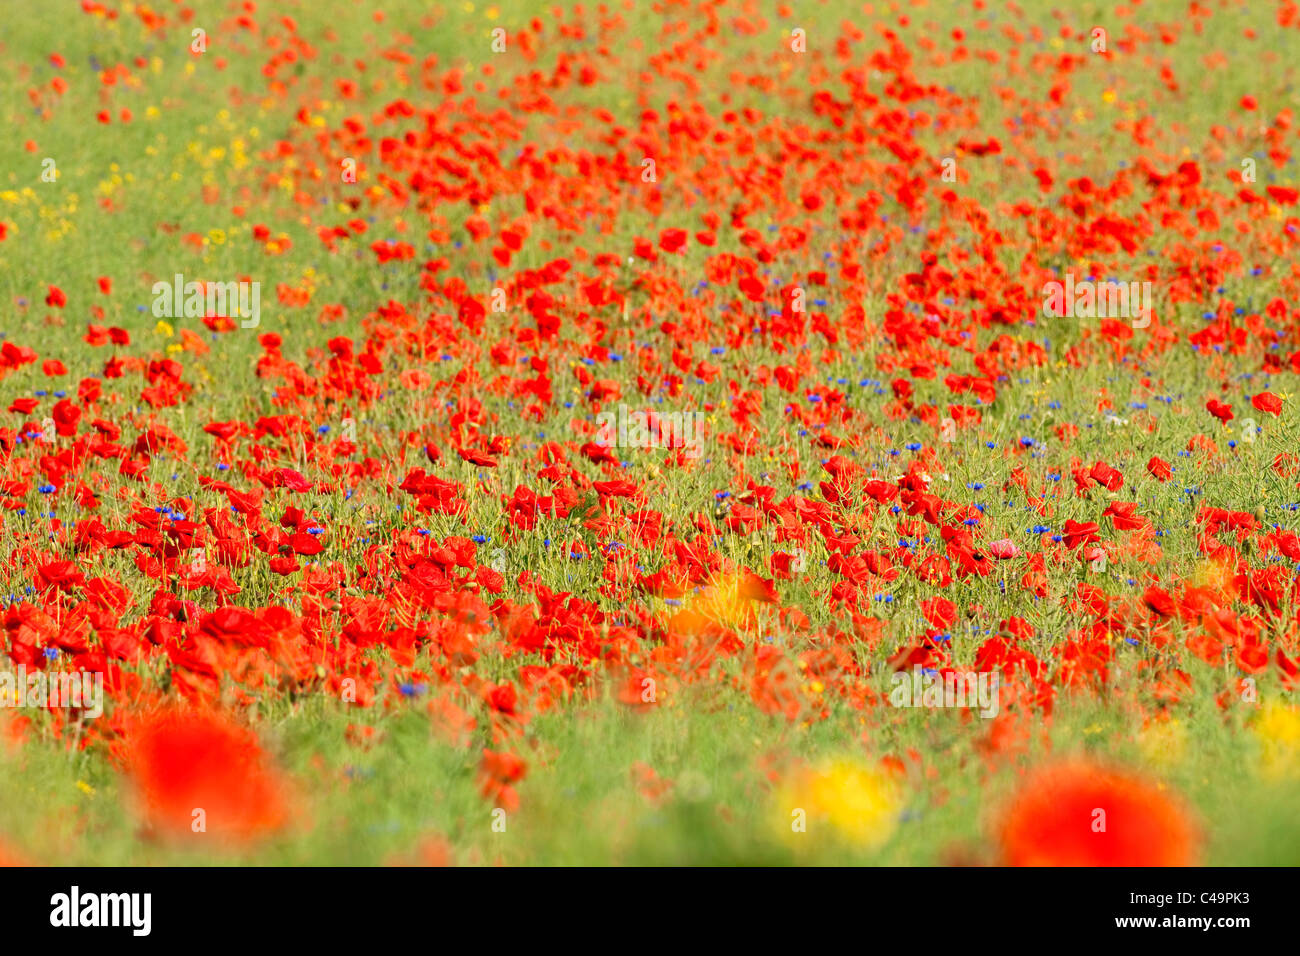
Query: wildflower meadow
[(649, 433)]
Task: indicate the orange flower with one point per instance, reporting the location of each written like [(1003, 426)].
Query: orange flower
[(1079, 814), (200, 774)]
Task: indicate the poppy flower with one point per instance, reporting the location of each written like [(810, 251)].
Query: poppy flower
[(1219, 410), (1080, 532), (1159, 469), (1077, 813), (498, 772), (1123, 516), (672, 240), (415, 379), (200, 773), (476, 458), (1267, 402), (1004, 549), (1110, 478), (24, 406)]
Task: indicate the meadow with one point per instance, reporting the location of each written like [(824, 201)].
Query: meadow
[(514, 433)]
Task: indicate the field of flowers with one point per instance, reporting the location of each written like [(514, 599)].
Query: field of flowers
[(692, 431)]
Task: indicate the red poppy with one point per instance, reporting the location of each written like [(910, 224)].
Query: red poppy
[(1080, 532), (1267, 402), (1080, 814), (1219, 410), (196, 769), (498, 772), (24, 406), (1159, 469)]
